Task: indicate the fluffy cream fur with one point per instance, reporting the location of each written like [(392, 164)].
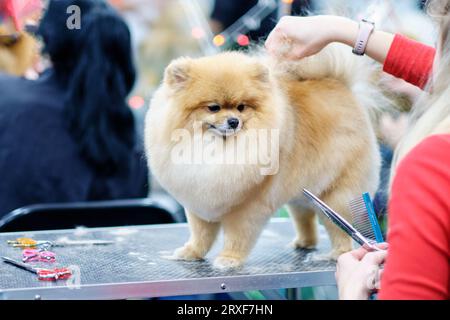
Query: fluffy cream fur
[(326, 145)]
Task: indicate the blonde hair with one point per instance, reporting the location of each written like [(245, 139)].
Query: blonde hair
[(431, 114)]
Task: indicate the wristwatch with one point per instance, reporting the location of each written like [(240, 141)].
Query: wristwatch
[(365, 30)]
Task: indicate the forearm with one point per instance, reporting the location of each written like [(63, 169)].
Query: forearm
[(346, 31), (307, 36)]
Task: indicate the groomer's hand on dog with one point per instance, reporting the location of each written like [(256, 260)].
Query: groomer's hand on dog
[(358, 272), (295, 38)]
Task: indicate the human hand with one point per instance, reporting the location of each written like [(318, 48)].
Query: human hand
[(400, 86), (393, 129), (295, 38), (358, 272)]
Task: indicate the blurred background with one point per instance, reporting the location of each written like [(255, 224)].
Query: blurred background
[(166, 29)]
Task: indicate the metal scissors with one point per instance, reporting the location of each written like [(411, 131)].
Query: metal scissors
[(31, 255), (342, 223), (43, 274), (31, 243)]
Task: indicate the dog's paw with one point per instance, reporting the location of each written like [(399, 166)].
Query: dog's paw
[(323, 257), (186, 253), (227, 263), (330, 256), (300, 243)]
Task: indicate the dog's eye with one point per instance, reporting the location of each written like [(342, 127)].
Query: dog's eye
[(241, 107), (214, 108)]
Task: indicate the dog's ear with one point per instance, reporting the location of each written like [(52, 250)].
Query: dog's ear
[(177, 73), (261, 73)]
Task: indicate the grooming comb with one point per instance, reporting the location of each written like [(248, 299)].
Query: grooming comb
[(364, 218)]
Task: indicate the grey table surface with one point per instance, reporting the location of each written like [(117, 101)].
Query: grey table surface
[(136, 266)]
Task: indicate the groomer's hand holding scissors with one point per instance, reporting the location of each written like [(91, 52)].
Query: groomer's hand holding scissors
[(358, 272)]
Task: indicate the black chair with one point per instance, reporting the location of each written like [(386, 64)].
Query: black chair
[(154, 210)]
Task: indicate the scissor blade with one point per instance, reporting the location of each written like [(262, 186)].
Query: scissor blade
[(338, 220), (330, 213), (319, 203), (19, 264), (64, 243)]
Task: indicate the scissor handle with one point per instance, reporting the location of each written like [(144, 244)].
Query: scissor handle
[(38, 255), (371, 247), (54, 274), (23, 242)]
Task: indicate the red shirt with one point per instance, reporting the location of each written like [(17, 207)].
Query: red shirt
[(418, 262), (410, 60), (417, 266)]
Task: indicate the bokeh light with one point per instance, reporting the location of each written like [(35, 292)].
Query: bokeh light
[(219, 40), (136, 102), (197, 33), (243, 40)]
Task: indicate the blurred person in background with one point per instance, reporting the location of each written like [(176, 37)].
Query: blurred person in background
[(70, 136), (141, 17), (139, 14), (18, 49), (227, 12), (167, 37)]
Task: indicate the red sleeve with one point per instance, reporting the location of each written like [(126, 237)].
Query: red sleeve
[(417, 266), (410, 60)]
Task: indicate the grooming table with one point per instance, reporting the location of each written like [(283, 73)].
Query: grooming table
[(136, 267)]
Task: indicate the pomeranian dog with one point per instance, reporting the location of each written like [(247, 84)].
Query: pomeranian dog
[(234, 137), (16, 53)]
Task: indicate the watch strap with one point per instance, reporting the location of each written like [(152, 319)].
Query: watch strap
[(365, 30)]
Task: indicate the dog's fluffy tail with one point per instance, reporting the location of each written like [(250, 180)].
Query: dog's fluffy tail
[(337, 61)]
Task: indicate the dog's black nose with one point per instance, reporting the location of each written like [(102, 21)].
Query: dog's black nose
[(233, 123)]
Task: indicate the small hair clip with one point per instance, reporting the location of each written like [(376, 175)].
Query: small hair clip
[(54, 274)]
